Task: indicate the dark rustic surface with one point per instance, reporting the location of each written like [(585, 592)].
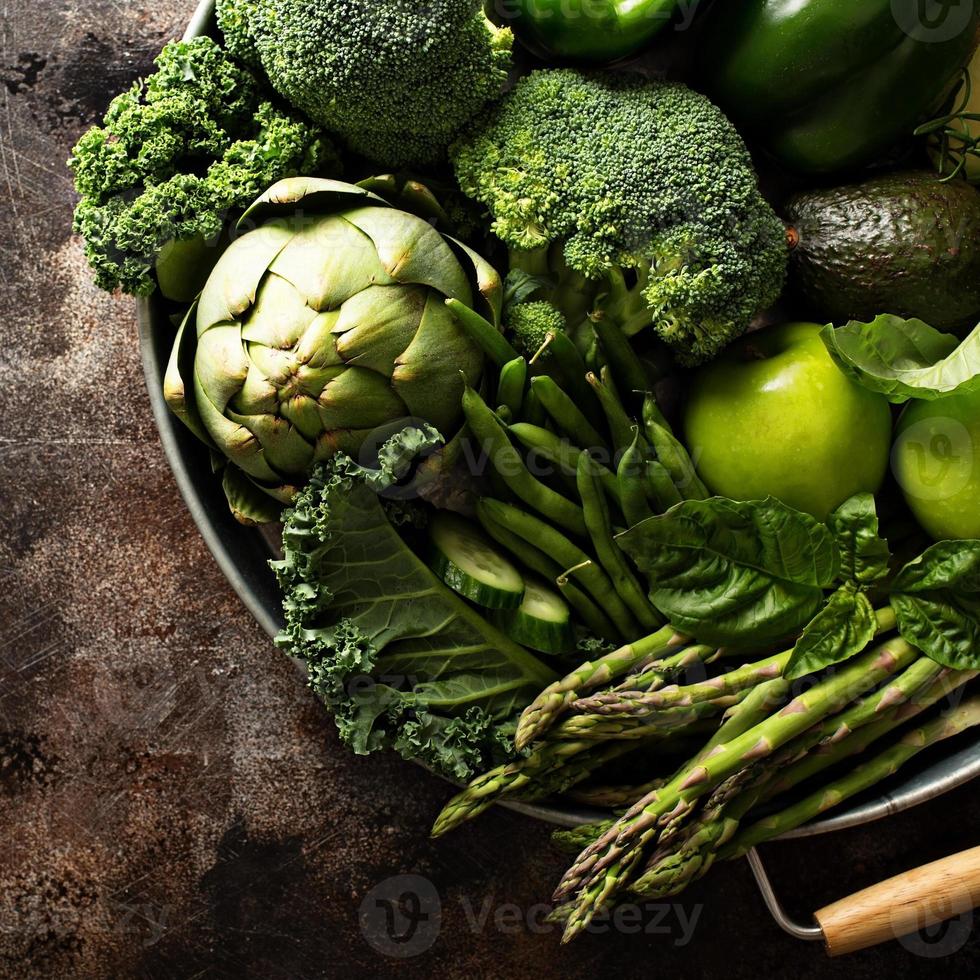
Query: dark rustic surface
[(173, 802)]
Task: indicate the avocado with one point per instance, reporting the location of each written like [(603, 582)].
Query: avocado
[(905, 243)]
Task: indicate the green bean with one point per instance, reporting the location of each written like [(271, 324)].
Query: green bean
[(510, 387), (610, 555), (566, 414), (504, 414), (672, 453), (660, 487), (620, 424), (537, 561), (483, 333), (571, 364), (582, 568), (561, 453), (632, 480), (507, 461), (622, 358)]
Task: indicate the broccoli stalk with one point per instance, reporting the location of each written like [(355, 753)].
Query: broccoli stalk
[(628, 198), (397, 80), (175, 154)]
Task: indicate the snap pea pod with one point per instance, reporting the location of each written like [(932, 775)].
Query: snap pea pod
[(663, 493), (537, 561), (569, 555), (610, 555), (621, 356), (632, 479), (565, 413), (620, 424), (509, 465), (534, 412), (511, 386), (671, 452), (561, 453), (483, 333), (571, 365)]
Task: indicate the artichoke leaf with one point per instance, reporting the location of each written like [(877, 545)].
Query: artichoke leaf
[(316, 194), (249, 504), (489, 285), (412, 251), (231, 288), (178, 395), (328, 260), (377, 325), (429, 376), (359, 397)]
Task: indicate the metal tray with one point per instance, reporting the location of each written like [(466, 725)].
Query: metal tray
[(243, 555)]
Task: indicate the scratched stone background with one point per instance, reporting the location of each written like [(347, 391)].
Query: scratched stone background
[(172, 802)]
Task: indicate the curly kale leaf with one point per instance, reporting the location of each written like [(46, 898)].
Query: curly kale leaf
[(176, 154), (400, 661)]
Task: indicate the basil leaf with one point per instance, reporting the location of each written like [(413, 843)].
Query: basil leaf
[(731, 572), (841, 630), (865, 555), (905, 359), (937, 601), (947, 564)]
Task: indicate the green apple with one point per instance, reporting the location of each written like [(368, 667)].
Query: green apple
[(775, 416), (936, 461)]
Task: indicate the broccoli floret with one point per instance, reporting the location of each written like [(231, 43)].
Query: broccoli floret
[(175, 154), (397, 80), (643, 184), (530, 324), (235, 19)]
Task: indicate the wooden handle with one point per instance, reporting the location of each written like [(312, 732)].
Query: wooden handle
[(903, 904)]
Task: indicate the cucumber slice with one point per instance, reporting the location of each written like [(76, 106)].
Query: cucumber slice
[(470, 564), (543, 621)]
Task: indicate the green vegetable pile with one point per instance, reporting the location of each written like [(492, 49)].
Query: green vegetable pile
[(618, 460)]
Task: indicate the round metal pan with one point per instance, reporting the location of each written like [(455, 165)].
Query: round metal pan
[(243, 554)]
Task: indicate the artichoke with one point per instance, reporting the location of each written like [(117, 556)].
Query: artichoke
[(324, 323)]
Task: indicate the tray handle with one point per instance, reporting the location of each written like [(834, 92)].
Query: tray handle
[(908, 902)]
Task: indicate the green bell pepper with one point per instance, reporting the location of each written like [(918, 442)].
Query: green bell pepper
[(593, 31), (826, 85)]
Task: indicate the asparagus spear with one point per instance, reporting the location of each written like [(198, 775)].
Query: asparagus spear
[(648, 702), (833, 748), (611, 798), (606, 866), (966, 716), (551, 768), (541, 714), (600, 728), (651, 675), (839, 736)]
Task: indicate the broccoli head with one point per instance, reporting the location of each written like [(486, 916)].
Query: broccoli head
[(643, 184), (175, 154), (397, 80)]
